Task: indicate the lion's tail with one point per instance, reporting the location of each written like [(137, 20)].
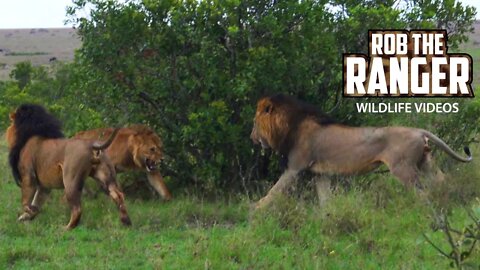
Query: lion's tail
[(440, 143), (106, 144)]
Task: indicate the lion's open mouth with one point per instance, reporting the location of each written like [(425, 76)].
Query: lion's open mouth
[(150, 165), (260, 140)]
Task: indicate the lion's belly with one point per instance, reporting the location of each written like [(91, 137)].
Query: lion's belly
[(347, 151), (51, 177), (344, 168)]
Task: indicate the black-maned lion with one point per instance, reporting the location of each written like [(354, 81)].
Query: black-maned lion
[(41, 159), (136, 147), (311, 141)]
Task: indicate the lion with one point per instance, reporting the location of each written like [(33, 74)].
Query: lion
[(136, 147), (311, 141), (41, 159)]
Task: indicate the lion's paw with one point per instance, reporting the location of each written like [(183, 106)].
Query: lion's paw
[(25, 217)]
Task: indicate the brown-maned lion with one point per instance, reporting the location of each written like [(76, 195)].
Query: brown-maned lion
[(311, 141), (136, 147), (41, 159)]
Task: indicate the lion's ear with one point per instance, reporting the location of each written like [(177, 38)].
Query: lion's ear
[(12, 116), (268, 108)]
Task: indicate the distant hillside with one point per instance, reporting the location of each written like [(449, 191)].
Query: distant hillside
[(475, 37), (472, 47), (39, 46)]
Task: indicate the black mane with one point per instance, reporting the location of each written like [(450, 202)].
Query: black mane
[(296, 111), (31, 120), (303, 109)]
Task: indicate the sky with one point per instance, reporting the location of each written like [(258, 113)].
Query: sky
[(33, 13), (52, 13)]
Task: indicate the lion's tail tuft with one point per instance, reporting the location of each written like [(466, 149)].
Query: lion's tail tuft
[(467, 151)]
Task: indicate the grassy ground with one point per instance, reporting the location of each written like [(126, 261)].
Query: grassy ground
[(377, 228), (381, 227)]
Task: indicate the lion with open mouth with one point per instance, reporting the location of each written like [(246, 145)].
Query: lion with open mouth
[(136, 147)]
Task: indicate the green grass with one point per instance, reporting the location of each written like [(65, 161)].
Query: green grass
[(474, 51), (380, 227)]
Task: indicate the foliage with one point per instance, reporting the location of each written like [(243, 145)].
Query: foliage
[(22, 73), (461, 242), (193, 70), (51, 88)]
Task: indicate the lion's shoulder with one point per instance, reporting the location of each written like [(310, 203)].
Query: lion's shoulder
[(124, 135)]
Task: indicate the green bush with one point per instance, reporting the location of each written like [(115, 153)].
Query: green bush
[(193, 70)]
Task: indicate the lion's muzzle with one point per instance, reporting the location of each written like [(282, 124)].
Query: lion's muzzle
[(254, 134), (150, 165), (256, 139)]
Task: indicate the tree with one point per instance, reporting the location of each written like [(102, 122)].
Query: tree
[(194, 69), (22, 73)]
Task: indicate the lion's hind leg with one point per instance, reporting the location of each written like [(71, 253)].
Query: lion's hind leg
[(430, 171), (322, 184), (105, 175), (407, 174), (118, 197), (405, 165), (73, 182), (73, 196)]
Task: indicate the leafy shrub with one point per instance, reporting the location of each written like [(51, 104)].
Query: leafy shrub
[(193, 70)]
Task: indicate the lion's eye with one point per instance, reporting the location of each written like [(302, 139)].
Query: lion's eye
[(153, 149)]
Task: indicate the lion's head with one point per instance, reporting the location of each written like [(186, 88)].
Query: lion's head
[(27, 121), (277, 118), (147, 147)]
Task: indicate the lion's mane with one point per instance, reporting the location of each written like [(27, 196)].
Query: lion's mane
[(31, 120), (286, 113)]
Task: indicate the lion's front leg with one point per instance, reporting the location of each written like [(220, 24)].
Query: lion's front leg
[(156, 181), (288, 178), (29, 187)]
